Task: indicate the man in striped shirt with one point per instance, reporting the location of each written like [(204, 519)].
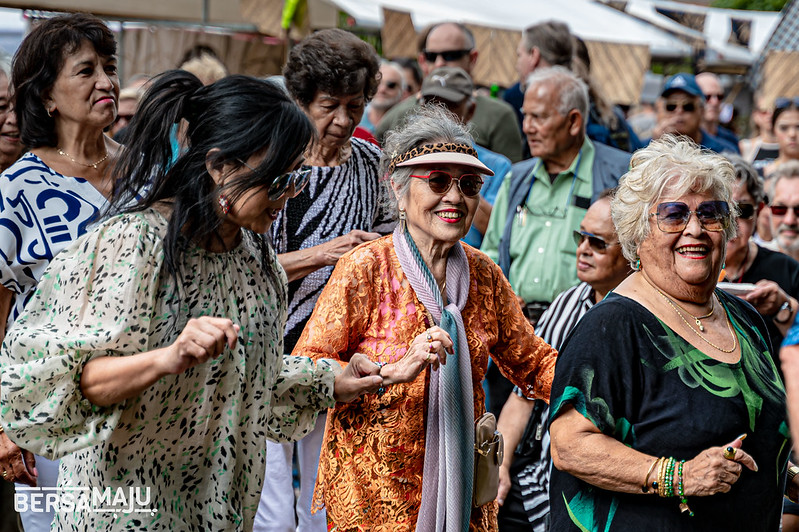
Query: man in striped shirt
[(524, 487)]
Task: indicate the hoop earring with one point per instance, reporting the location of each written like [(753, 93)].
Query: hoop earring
[(224, 204)]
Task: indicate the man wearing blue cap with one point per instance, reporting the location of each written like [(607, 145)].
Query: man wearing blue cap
[(679, 111)]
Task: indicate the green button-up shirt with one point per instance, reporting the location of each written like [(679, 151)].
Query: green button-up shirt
[(542, 249)]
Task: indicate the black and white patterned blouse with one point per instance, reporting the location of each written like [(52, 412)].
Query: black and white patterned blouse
[(337, 200)]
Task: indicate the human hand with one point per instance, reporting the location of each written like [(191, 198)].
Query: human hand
[(504, 484), (333, 249), (202, 339), (359, 377), (767, 297), (428, 348), (16, 465), (710, 472)]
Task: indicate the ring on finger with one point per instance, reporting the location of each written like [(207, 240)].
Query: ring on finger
[(427, 358), (430, 347), (729, 452), (429, 337), (5, 474)]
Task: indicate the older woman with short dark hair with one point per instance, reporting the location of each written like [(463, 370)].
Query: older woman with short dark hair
[(331, 74), (667, 410), (429, 312), (65, 90)]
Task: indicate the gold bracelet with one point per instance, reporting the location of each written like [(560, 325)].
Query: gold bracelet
[(645, 487)]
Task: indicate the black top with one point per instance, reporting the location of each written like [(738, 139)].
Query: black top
[(640, 383), (784, 271)]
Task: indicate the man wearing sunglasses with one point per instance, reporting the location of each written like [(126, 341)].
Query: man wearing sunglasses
[(784, 206), (493, 122), (679, 111), (389, 93), (714, 100)]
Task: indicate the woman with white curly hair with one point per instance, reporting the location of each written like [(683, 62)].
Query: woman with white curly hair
[(658, 386)]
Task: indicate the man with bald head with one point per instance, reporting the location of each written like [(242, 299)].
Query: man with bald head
[(493, 122), (714, 97)]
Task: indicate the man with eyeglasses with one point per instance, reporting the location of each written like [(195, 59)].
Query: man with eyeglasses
[(493, 122), (389, 93), (784, 206), (524, 474), (714, 98), (679, 111), (543, 200)]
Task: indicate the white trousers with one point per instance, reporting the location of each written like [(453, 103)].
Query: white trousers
[(40, 520), (278, 511)]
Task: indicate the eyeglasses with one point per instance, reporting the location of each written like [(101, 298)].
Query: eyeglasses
[(297, 178), (688, 107), (448, 56), (440, 182), (746, 211), (782, 103), (782, 210), (391, 85), (672, 217), (718, 96), (597, 243)]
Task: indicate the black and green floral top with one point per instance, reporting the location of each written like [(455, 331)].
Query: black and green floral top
[(641, 383)]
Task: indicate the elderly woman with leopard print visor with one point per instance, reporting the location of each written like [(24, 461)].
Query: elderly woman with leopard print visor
[(429, 311)]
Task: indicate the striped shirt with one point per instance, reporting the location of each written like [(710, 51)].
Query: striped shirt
[(554, 326)]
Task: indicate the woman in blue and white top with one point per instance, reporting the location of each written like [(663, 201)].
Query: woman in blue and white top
[(66, 91)]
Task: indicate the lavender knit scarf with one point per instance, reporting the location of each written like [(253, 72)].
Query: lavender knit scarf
[(449, 441)]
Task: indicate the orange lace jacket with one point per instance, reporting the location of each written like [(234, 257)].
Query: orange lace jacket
[(370, 472)]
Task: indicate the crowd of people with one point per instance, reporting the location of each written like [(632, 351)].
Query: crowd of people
[(366, 296)]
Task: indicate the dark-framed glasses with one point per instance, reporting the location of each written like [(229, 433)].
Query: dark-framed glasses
[(673, 216), (298, 178), (782, 210), (688, 107), (746, 211), (440, 182), (597, 243), (448, 56)]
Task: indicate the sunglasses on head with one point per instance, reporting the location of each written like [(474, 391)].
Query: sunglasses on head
[(448, 56), (688, 107), (783, 103), (746, 211), (391, 84), (597, 243), (281, 184), (673, 216), (440, 182), (782, 210)]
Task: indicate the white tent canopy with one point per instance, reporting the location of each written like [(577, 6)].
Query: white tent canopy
[(586, 18), (716, 30)]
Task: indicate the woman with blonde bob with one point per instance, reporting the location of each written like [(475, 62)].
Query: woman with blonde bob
[(667, 410)]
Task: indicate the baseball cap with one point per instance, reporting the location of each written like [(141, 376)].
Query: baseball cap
[(682, 82), (449, 83)]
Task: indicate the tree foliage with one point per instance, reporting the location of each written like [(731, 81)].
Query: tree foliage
[(754, 5)]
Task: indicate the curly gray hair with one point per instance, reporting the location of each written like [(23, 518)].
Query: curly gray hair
[(429, 124), (673, 163)]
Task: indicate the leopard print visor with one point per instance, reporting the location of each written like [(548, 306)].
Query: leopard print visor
[(441, 153)]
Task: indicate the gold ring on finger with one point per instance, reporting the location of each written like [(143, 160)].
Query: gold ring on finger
[(5, 474), (729, 452)]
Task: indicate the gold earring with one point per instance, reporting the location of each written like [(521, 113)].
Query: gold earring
[(403, 220)]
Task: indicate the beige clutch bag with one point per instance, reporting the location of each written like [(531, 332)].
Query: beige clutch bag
[(488, 454)]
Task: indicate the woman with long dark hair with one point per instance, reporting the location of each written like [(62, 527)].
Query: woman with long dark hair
[(152, 351)]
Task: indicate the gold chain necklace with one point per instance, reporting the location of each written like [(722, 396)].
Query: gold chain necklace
[(93, 165), (673, 305)]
